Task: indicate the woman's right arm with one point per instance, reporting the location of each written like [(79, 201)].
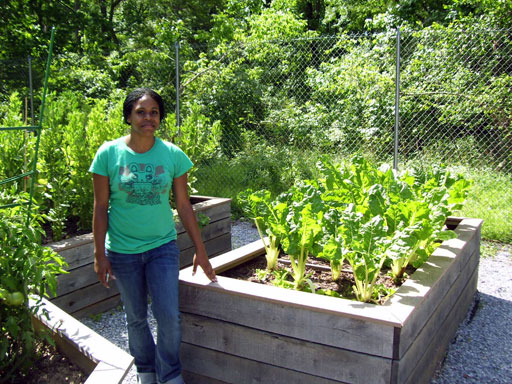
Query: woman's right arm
[(99, 227)]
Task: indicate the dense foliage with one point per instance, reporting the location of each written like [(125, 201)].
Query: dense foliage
[(27, 272), (276, 83), (360, 214), (74, 129)]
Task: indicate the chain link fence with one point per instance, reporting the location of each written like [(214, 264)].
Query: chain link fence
[(402, 97), (456, 103), (282, 104)]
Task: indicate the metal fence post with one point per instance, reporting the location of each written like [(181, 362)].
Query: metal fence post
[(177, 54), (397, 98), (31, 89)]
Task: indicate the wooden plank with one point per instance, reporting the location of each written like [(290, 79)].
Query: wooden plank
[(265, 307), (77, 241), (409, 333), (112, 362), (437, 321), (214, 247), (78, 252), (67, 348), (416, 300), (234, 370), (215, 208), (349, 308), (435, 352), (84, 297), (238, 256), (207, 233), (76, 279), (98, 307), (194, 378), (276, 349)]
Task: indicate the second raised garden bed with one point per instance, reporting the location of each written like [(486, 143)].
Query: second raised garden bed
[(80, 293)]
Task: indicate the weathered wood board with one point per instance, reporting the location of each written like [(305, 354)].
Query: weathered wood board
[(103, 361), (242, 332), (79, 292)]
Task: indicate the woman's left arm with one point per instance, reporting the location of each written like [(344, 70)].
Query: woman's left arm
[(188, 219)]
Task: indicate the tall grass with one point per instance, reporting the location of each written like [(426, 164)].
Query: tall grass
[(491, 200)]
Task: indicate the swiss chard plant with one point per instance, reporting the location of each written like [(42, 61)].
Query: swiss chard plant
[(419, 222), (303, 230), (414, 206), (365, 215), (366, 255), (268, 216)]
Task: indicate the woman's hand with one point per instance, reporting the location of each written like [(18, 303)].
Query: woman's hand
[(201, 259), (103, 269)]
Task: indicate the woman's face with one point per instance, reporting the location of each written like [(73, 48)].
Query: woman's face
[(145, 116)]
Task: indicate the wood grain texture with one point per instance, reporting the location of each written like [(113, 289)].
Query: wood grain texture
[(104, 361)]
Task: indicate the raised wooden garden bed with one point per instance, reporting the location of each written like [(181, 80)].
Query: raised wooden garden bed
[(241, 332), (103, 361), (80, 293)]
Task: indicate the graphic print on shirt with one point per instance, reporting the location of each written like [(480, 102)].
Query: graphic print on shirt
[(143, 183)]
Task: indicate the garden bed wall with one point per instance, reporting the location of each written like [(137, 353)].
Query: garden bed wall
[(241, 332), (100, 359), (80, 293)]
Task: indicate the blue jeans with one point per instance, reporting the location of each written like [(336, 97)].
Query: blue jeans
[(155, 272)]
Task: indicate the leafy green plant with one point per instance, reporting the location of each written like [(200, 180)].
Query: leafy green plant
[(414, 207), (302, 230), (15, 153), (268, 217), (367, 215), (368, 243), (435, 194), (198, 137), (27, 271)]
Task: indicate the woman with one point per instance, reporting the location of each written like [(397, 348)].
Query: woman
[(135, 235)]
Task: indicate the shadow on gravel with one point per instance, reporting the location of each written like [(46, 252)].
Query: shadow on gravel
[(481, 351)]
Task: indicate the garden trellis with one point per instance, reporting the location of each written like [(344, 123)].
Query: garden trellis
[(36, 129)]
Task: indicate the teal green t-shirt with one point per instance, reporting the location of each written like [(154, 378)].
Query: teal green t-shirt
[(140, 217)]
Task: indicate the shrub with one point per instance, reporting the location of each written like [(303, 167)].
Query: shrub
[(27, 271)]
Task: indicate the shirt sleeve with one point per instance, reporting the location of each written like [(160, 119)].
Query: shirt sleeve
[(99, 164), (182, 162)]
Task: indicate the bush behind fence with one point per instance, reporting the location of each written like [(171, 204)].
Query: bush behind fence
[(281, 104)]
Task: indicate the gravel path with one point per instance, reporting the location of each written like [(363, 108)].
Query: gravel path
[(481, 351)]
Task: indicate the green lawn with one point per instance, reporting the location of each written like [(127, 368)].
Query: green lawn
[(491, 200)]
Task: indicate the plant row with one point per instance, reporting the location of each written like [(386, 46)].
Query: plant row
[(73, 130), (360, 214)]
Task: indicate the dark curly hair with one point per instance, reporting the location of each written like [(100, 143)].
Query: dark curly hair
[(137, 94)]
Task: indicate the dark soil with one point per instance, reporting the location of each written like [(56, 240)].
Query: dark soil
[(320, 276), (70, 229), (51, 367)]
